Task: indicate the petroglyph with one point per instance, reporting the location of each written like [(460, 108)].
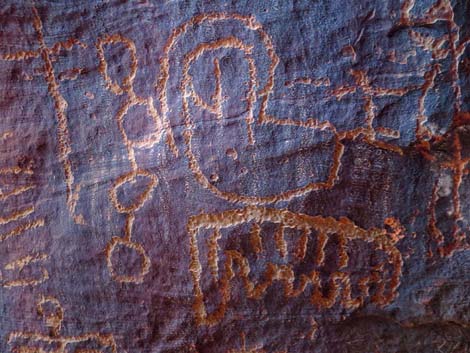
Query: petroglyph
[(20, 222), (18, 218), (130, 210), (46, 52), (16, 215), (182, 103), (188, 94), (160, 127), (384, 277), (235, 101), (50, 309), (450, 45), (258, 93), (6, 193), (17, 267)]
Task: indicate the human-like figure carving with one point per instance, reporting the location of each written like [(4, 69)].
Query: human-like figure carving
[(130, 207), (46, 53), (52, 313), (454, 164)]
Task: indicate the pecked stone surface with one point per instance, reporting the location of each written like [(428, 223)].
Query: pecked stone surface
[(234, 176)]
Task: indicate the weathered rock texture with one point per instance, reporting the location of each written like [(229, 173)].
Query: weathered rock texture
[(234, 176)]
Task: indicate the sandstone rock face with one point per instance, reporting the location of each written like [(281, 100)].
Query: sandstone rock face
[(235, 176)]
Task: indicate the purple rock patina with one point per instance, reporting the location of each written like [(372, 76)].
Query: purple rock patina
[(263, 176)]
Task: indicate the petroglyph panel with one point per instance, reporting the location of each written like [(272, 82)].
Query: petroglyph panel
[(219, 176)]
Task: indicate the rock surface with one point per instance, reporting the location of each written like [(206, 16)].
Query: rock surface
[(235, 176)]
